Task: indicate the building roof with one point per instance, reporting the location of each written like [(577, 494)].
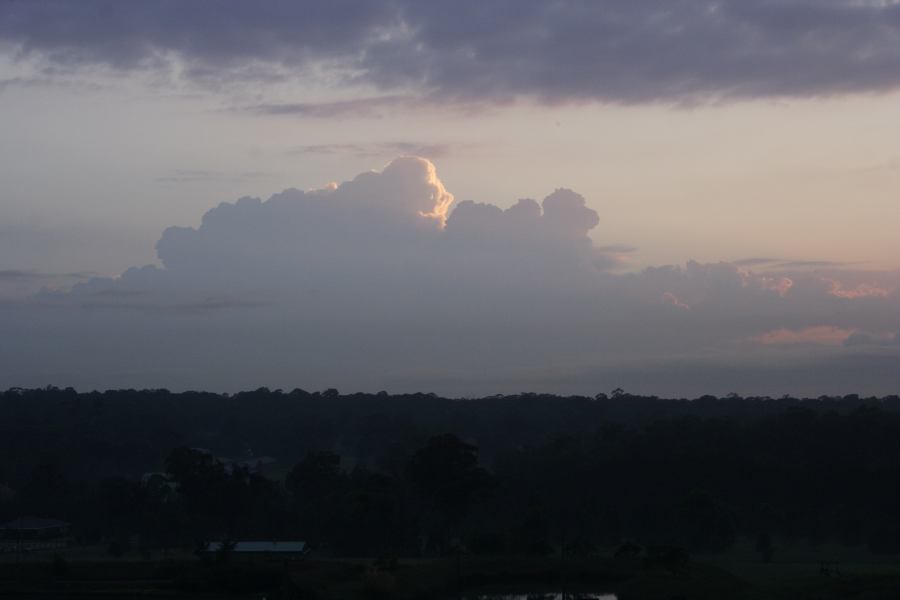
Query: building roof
[(33, 524), (261, 547)]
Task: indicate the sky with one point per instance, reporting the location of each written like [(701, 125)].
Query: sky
[(676, 197)]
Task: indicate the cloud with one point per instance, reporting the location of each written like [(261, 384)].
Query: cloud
[(390, 149), (618, 248), (37, 256), (670, 298), (358, 107), (822, 334), (756, 262), (18, 275), (385, 281), (32, 275), (24, 282), (808, 264), (47, 81), (201, 175), (864, 339), (17, 284), (22, 82), (209, 35), (779, 264), (620, 51)]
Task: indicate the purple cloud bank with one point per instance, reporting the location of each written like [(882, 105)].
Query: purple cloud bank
[(476, 51)]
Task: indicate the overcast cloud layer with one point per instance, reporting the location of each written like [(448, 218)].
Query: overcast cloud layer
[(385, 282), (476, 51)]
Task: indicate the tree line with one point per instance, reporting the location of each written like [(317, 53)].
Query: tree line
[(408, 475)]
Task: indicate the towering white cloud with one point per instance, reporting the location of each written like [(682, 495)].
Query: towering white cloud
[(379, 283)]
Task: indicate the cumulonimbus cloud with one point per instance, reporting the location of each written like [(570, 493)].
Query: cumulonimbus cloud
[(476, 51), (387, 281)]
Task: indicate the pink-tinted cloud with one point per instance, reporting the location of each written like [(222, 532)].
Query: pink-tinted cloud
[(824, 335), (860, 290), (781, 285), (670, 298)]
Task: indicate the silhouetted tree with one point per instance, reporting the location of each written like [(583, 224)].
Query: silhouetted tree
[(446, 472), (708, 524), (764, 546), (316, 475)]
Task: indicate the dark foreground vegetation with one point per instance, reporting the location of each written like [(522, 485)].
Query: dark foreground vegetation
[(419, 496)]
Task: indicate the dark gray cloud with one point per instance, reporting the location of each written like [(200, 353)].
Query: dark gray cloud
[(380, 282), (210, 35), (30, 275), (377, 106), (473, 51)]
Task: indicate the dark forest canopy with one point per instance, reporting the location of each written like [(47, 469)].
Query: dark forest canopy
[(380, 473)]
